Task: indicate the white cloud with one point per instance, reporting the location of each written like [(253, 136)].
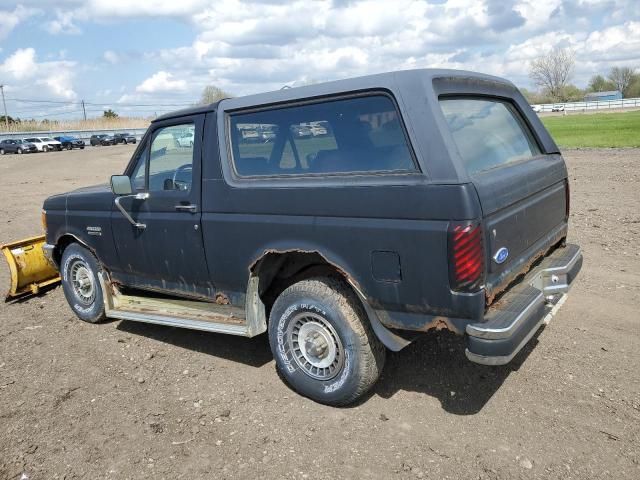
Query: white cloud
[(23, 73), (63, 24), (257, 45), (161, 82), (111, 57), (11, 19)]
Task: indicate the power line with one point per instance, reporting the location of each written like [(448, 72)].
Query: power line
[(59, 102)]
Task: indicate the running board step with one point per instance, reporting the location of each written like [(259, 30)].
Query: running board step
[(208, 317)]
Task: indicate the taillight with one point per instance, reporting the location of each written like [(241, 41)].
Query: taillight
[(466, 257), (567, 199)]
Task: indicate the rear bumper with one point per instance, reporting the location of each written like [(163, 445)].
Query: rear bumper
[(517, 316)]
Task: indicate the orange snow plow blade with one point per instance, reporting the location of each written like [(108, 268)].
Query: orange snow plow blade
[(30, 269)]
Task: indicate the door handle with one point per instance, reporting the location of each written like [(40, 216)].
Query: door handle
[(187, 208)]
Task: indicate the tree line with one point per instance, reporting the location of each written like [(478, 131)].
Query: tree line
[(552, 73)]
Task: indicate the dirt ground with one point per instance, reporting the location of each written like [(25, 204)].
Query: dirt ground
[(125, 400)]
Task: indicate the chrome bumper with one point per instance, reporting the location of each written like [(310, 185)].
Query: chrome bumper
[(518, 315)]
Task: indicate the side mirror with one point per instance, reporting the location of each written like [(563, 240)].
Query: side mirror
[(121, 185)]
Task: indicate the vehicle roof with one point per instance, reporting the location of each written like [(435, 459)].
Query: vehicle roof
[(381, 80)]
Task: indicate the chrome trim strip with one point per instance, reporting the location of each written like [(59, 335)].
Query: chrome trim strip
[(180, 322), (111, 312), (47, 250)]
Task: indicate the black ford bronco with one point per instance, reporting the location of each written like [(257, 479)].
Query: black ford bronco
[(342, 218)]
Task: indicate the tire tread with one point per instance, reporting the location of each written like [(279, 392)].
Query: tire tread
[(336, 290)]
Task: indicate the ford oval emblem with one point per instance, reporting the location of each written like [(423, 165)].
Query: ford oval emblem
[(501, 255)]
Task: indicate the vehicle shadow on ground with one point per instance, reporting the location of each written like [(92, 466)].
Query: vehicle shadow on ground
[(436, 365), (254, 352)]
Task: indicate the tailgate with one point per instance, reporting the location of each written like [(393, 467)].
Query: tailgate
[(524, 214), (521, 187)]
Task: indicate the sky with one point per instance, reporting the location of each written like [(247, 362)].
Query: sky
[(147, 57)]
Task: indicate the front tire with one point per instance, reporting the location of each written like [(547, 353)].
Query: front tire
[(45, 149), (20, 151), (79, 269), (322, 342), (1, 151)]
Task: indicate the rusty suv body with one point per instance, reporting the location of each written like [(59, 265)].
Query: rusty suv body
[(428, 193)]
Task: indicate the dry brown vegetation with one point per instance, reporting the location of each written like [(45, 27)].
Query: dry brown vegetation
[(90, 124)]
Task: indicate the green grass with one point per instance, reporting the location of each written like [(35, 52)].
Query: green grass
[(595, 130)]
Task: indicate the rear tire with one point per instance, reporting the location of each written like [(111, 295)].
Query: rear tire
[(322, 342), (1, 151), (20, 152), (79, 269)]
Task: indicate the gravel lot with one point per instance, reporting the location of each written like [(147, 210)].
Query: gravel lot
[(126, 400)]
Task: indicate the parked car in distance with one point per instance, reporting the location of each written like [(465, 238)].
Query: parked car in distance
[(301, 131), (44, 144), (70, 142), (124, 138), (18, 146), (536, 108), (399, 221), (101, 140), (185, 139), (557, 108)]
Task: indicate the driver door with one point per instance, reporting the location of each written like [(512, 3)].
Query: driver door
[(168, 253)]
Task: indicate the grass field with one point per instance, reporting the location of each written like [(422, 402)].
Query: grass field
[(597, 130)]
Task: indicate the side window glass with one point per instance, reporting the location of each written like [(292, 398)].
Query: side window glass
[(254, 147), (311, 138), (138, 177), (336, 136), (171, 158)]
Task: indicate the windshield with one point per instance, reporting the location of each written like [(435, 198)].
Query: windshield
[(48, 139)]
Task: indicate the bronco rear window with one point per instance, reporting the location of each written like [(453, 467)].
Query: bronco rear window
[(488, 133), (345, 135)]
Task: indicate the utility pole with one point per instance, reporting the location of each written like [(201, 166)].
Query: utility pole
[(6, 118), (84, 111)]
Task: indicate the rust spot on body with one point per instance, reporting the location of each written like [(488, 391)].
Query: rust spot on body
[(222, 299)]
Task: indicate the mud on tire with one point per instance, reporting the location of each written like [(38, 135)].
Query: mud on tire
[(79, 269), (322, 342)]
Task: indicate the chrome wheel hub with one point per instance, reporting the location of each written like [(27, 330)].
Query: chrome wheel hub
[(315, 346), (82, 282)]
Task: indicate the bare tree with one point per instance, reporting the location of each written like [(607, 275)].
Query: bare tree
[(211, 94), (621, 78), (553, 71)]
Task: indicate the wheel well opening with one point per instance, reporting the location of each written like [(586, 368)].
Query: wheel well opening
[(278, 270), (61, 245)]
